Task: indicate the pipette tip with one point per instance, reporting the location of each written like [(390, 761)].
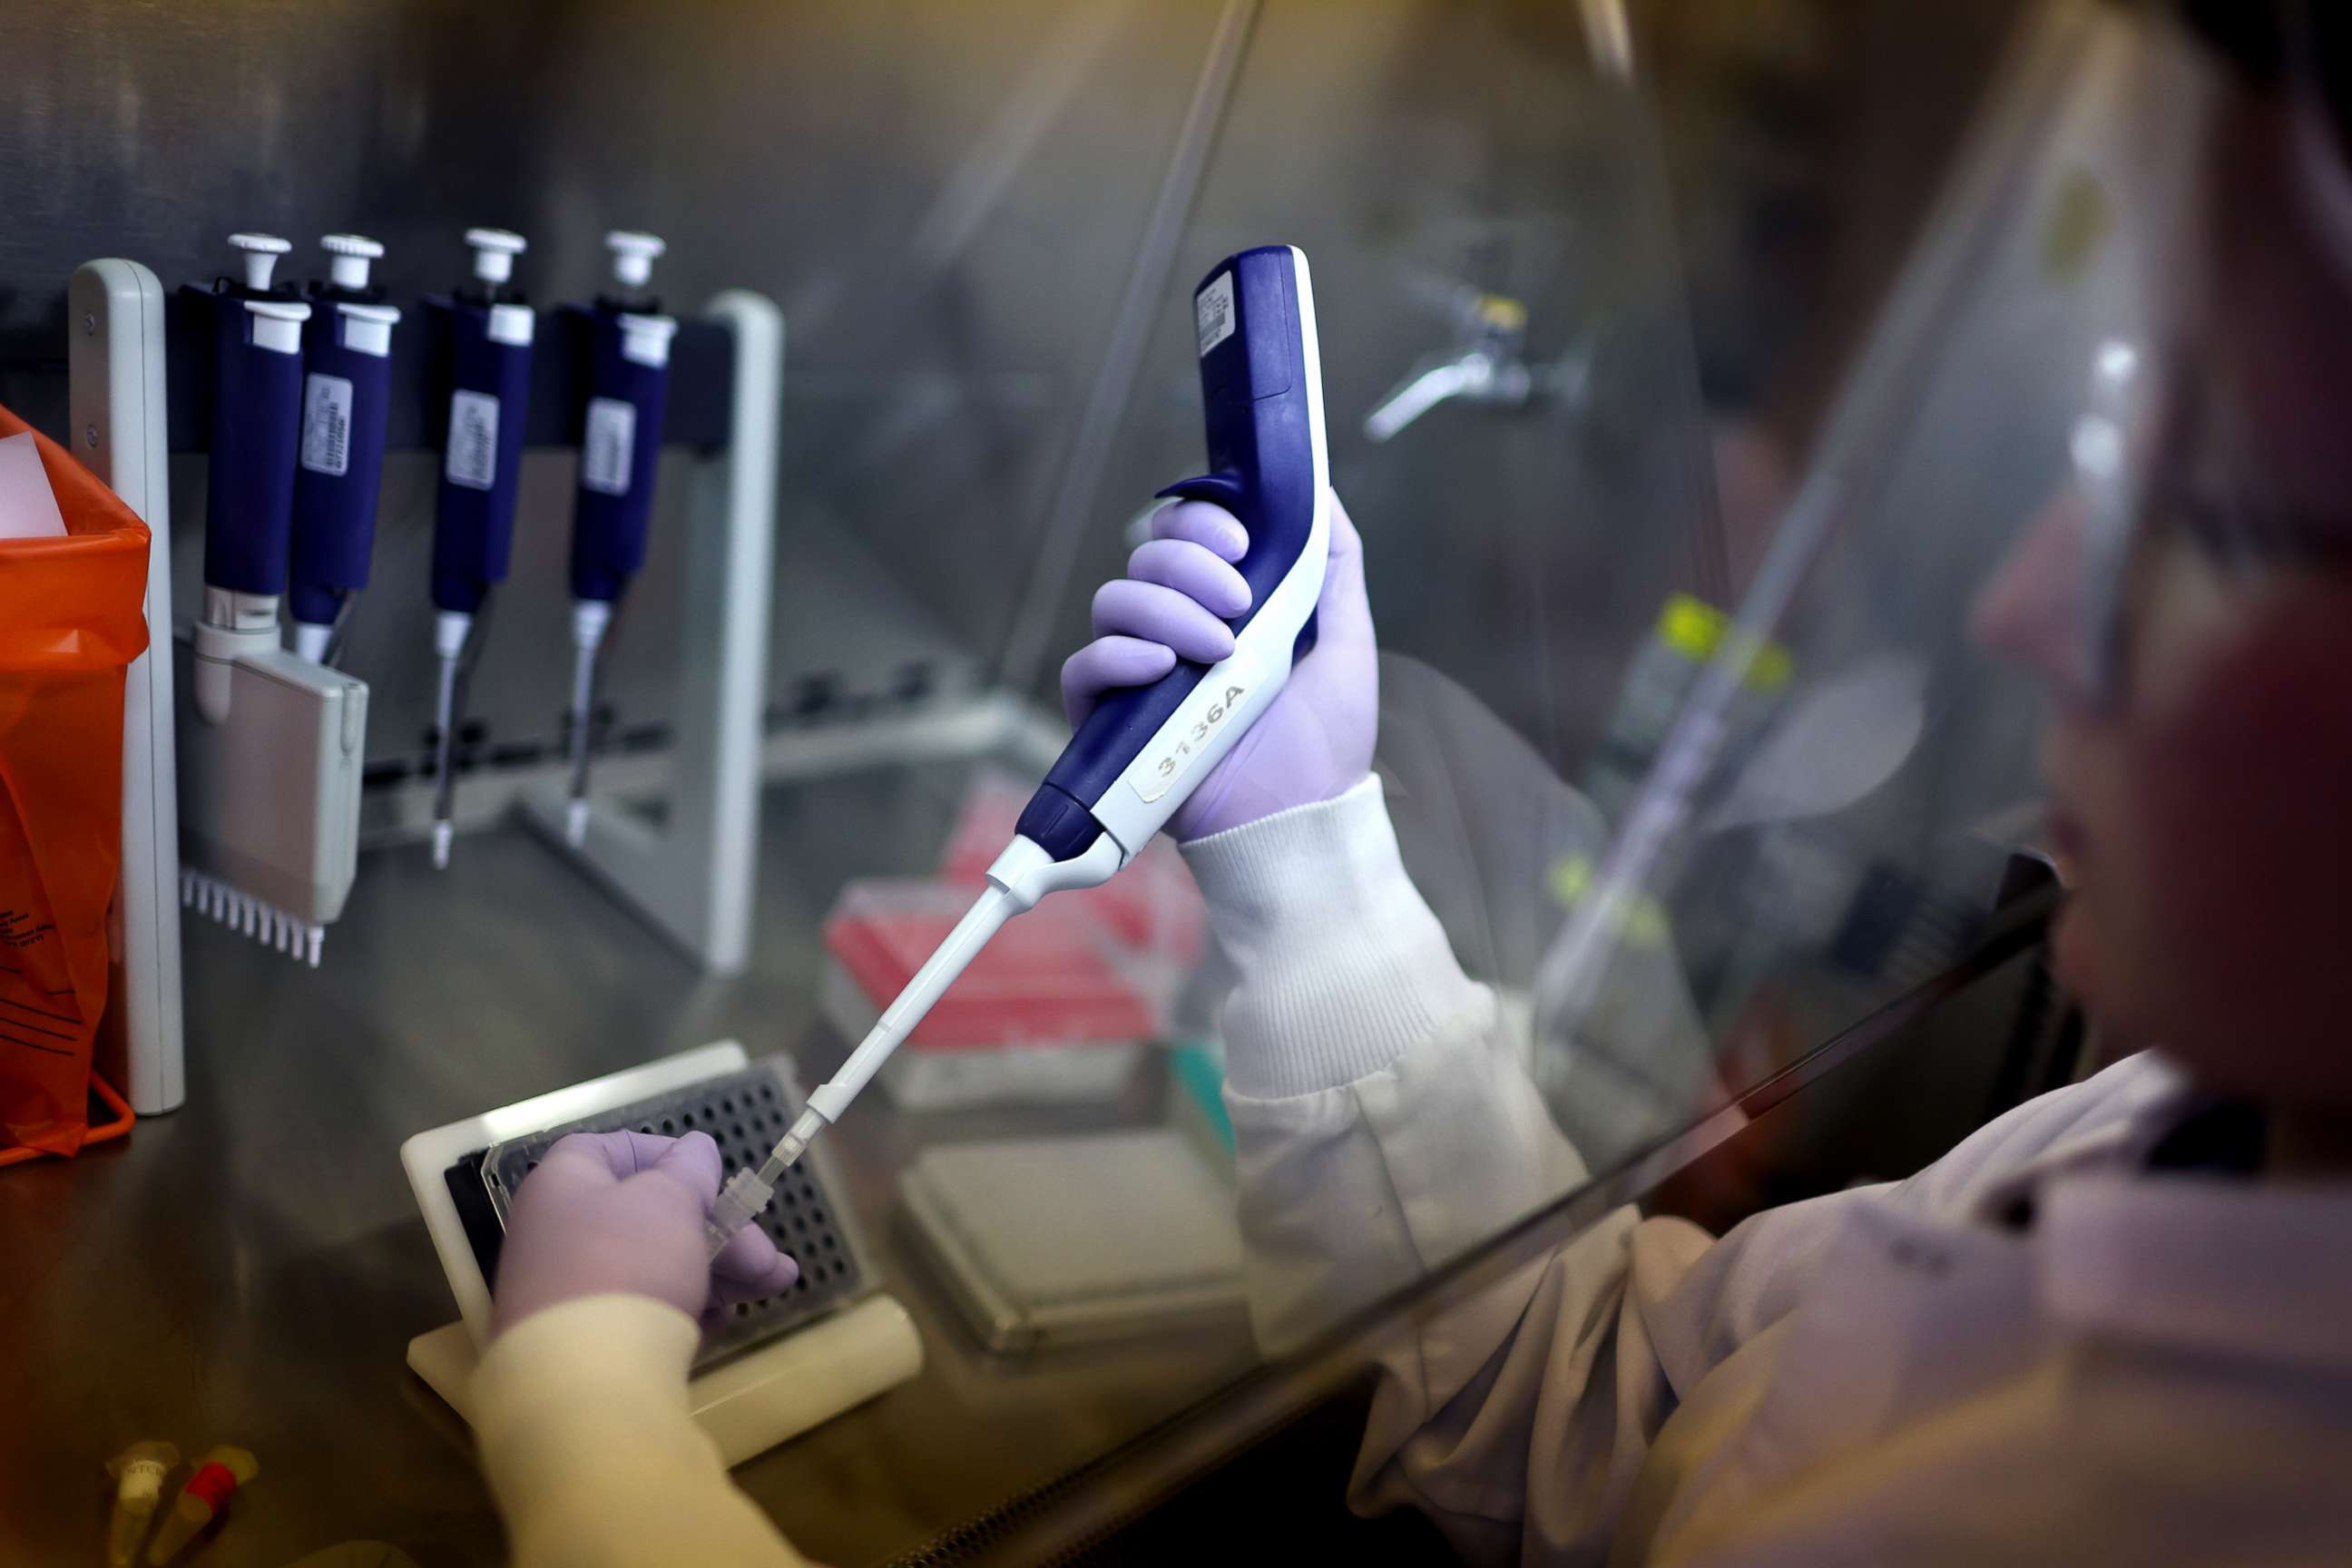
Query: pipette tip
[(282, 930), (575, 823), (443, 832)]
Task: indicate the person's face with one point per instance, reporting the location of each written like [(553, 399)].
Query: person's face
[(2203, 816), (2202, 806)]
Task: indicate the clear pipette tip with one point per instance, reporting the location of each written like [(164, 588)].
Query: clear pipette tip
[(748, 1191), (444, 783), (282, 930), (583, 696)]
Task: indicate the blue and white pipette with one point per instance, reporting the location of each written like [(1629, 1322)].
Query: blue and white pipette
[(1142, 753), (620, 444), (346, 396), (249, 487), (487, 329)]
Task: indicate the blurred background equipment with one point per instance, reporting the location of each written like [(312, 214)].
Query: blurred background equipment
[(1488, 368)]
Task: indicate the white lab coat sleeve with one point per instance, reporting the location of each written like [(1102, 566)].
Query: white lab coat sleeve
[(591, 1449), (1382, 1126)]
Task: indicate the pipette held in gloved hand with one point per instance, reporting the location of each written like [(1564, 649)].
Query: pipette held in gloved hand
[(620, 443), (1313, 745), (346, 398), (1142, 752), (487, 328)]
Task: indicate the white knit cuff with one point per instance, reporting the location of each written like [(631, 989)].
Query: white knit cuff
[(1342, 966)]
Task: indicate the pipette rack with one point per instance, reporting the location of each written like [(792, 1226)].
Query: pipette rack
[(691, 876)]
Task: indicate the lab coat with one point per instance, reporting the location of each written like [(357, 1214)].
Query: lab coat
[(2156, 1369)]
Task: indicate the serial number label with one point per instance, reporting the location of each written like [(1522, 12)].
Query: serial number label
[(609, 449), (327, 425), (472, 459), (1163, 773), (1213, 312)]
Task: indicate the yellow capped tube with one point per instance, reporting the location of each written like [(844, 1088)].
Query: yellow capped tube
[(138, 1471)]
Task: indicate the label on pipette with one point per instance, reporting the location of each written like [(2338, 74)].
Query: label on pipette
[(1200, 724), (472, 459), (327, 425), (1213, 312), (609, 447)]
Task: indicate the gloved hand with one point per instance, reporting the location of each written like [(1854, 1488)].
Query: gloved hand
[(1315, 743), (624, 1211)]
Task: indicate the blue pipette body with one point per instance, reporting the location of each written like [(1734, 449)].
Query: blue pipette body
[(620, 444), (346, 399), (256, 424), (481, 454)]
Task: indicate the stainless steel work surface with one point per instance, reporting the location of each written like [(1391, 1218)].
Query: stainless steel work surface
[(250, 1268)]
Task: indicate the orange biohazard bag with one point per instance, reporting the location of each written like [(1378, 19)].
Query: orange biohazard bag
[(72, 618)]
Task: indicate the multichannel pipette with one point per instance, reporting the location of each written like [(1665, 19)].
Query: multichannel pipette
[(249, 519), (620, 442), (346, 396), (1142, 753), (487, 329)]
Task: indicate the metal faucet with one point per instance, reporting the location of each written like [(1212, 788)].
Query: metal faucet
[(1488, 368)]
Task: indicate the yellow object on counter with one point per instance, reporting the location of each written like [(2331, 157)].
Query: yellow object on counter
[(138, 1471)]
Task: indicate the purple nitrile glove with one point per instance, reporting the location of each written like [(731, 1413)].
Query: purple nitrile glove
[(1314, 742), (610, 1212)]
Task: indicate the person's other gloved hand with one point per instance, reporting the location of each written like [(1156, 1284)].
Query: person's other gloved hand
[(1315, 743), (622, 1211)]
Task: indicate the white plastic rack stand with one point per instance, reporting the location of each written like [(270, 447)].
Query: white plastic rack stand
[(692, 874), (115, 365)]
